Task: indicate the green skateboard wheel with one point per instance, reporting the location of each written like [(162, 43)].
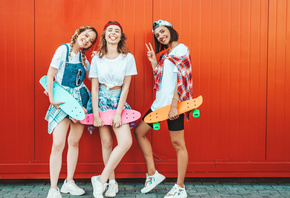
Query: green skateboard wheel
[(156, 126), (195, 113)]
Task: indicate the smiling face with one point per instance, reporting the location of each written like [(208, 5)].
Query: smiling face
[(162, 34), (86, 39), (113, 34)]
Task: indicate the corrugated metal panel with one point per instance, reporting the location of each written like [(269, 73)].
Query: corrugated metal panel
[(278, 111), (238, 67), (228, 44), (17, 81), (57, 28)]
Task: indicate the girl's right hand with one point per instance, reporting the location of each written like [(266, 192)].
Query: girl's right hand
[(151, 55), (98, 122), (55, 104)]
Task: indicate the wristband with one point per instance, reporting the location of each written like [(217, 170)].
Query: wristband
[(175, 99)]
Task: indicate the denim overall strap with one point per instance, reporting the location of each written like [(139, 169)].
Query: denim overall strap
[(81, 58), (67, 53), (74, 73)]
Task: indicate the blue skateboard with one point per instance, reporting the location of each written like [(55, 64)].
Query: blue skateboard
[(70, 105)]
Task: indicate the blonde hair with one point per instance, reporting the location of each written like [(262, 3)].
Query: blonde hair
[(74, 39), (122, 46)]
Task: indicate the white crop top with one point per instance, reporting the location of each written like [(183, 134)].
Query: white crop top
[(111, 72)]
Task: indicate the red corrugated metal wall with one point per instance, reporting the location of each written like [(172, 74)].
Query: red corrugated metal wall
[(240, 62)]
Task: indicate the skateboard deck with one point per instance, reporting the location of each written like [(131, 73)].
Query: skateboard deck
[(127, 116), (70, 105), (162, 113)]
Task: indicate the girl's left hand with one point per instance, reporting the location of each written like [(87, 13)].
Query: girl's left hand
[(95, 53), (173, 114), (116, 121)]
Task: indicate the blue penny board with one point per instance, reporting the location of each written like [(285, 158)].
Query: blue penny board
[(70, 105)]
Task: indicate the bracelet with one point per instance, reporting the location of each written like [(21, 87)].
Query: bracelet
[(175, 99)]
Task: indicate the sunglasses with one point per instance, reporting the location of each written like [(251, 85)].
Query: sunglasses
[(78, 78)]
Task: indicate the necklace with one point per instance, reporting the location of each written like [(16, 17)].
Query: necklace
[(173, 47)]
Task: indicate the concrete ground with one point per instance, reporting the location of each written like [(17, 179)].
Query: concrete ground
[(130, 188)]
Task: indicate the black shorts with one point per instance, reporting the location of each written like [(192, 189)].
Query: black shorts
[(173, 125)]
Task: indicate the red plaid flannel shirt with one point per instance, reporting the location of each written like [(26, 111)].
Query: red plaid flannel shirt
[(184, 77)]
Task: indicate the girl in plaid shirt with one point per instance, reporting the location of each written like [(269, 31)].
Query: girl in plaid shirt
[(173, 83)]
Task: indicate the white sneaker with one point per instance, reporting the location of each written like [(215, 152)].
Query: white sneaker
[(112, 189), (72, 188), (176, 192), (54, 193), (152, 181), (98, 187)]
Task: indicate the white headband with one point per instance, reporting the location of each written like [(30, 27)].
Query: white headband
[(158, 23)]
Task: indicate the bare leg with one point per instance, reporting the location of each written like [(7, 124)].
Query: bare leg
[(177, 139), (59, 136), (140, 133), (124, 139), (75, 134), (107, 146)]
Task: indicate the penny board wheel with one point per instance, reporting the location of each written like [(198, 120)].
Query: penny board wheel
[(195, 113), (156, 126)]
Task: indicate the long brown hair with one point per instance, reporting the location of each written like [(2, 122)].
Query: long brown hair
[(122, 46), (74, 39)]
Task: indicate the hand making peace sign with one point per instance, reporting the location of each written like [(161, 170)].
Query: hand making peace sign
[(151, 55)]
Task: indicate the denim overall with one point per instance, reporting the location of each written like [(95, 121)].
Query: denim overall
[(72, 82), (74, 75)]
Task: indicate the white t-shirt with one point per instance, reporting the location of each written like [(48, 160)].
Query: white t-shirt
[(111, 72), (169, 79), (59, 59)]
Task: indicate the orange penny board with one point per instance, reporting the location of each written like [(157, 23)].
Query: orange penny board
[(162, 113)]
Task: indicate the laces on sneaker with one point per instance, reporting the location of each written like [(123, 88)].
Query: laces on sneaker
[(54, 193), (112, 189), (175, 191), (148, 180)]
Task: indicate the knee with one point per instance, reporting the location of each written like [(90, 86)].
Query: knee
[(138, 133), (129, 143), (107, 143), (57, 147), (178, 145), (73, 142), (126, 145)]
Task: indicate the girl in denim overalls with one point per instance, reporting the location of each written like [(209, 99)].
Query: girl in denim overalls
[(69, 68)]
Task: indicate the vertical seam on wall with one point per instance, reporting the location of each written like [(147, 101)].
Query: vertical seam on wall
[(267, 79), (285, 74), (34, 146)]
